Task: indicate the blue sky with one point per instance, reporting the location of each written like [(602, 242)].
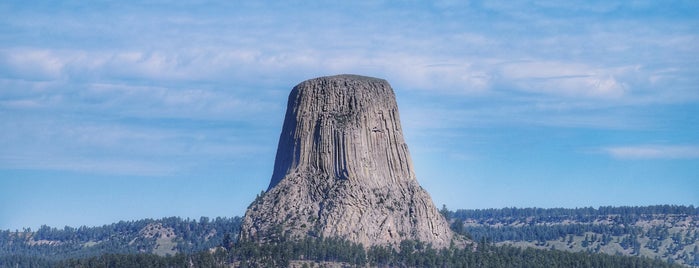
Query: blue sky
[(122, 110)]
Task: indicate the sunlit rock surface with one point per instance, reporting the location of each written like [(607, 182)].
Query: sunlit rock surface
[(343, 170)]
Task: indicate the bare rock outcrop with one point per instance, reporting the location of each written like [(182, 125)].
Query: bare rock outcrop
[(343, 169)]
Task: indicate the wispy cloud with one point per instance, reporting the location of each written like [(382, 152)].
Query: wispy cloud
[(197, 90), (233, 62), (99, 165), (467, 52), (653, 152), (565, 79), (139, 146)]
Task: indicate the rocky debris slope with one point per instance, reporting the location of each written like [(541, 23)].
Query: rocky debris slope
[(343, 170)]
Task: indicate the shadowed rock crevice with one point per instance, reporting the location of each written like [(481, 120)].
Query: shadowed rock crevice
[(343, 169)]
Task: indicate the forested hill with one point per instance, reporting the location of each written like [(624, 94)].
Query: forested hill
[(161, 237), (608, 236), (665, 232)]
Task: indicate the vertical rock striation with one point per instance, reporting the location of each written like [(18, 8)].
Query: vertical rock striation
[(343, 170)]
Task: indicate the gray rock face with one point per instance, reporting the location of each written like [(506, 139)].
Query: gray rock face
[(343, 170)]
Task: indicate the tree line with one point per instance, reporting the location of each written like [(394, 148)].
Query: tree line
[(624, 214), (118, 238), (317, 250), (589, 229), (194, 238)]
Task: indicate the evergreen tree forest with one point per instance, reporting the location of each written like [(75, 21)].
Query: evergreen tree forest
[(665, 232), (319, 252), (653, 236), (124, 237)]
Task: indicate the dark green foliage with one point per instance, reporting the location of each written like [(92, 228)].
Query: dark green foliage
[(544, 232), (588, 214), (118, 238), (595, 228), (539, 228), (409, 254), (23, 261), (119, 244), (135, 260)]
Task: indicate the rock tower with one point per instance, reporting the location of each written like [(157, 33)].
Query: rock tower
[(343, 170)]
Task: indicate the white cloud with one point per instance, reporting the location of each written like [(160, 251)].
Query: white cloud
[(436, 76), (34, 64), (140, 65), (565, 78), (187, 101), (653, 152)]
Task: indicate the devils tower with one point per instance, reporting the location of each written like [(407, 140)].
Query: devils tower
[(343, 169)]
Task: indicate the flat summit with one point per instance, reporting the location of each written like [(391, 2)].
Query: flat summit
[(343, 169)]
